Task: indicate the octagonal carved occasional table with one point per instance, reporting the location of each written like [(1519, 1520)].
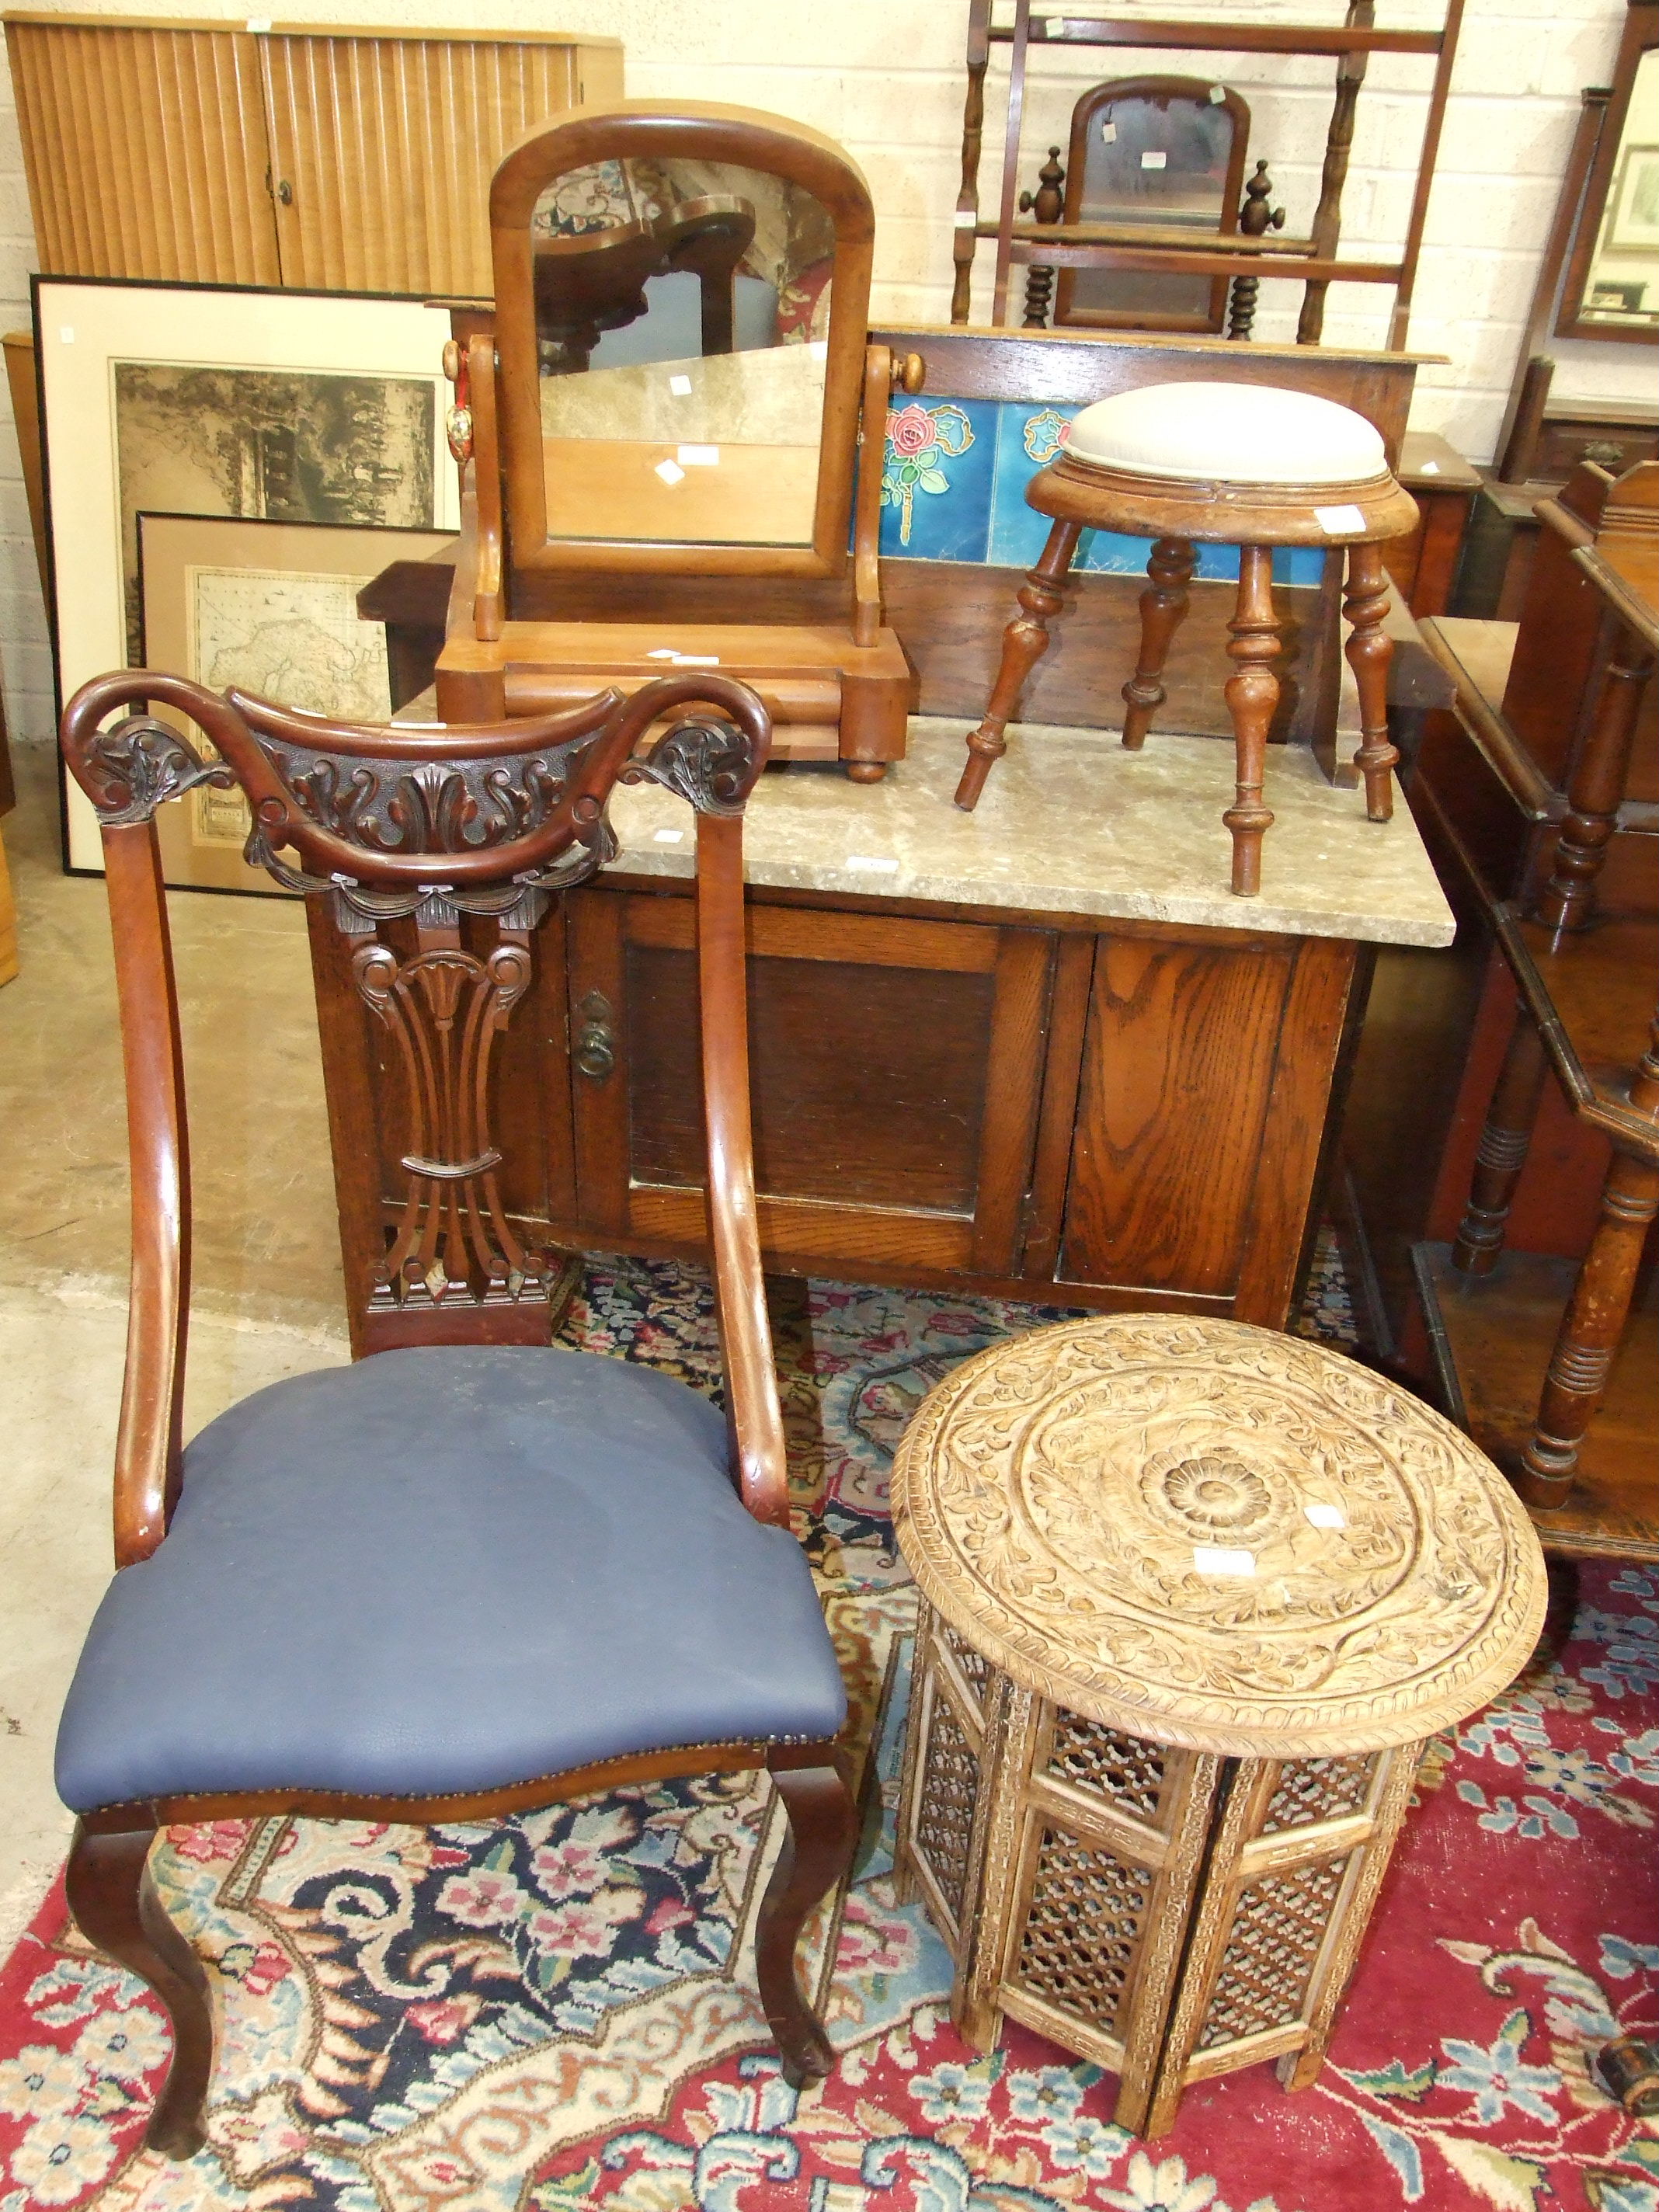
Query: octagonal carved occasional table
[(1194, 1595)]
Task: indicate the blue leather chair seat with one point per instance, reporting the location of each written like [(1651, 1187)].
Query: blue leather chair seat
[(446, 1569)]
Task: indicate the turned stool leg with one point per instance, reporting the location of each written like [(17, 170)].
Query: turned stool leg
[(1162, 608), (1252, 694), (1024, 643), (1370, 649), (1593, 1323), (1502, 1152)]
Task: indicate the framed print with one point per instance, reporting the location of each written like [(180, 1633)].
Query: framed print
[(1633, 227), (300, 407), (268, 607)]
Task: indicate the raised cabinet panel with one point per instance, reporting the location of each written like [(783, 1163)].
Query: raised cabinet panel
[(895, 1067), (387, 145), (1178, 1063), (146, 151)]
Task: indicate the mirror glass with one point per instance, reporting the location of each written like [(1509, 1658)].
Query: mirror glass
[(1622, 289), (1154, 157), (681, 323)]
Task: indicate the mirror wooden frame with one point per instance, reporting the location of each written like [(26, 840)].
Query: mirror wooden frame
[(1068, 315), (695, 131), (1640, 37)]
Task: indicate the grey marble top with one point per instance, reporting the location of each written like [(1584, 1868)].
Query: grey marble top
[(1071, 823)]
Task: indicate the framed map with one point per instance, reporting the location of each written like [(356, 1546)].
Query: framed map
[(268, 607), (303, 408)]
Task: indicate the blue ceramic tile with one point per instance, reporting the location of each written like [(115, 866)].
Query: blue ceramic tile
[(937, 480)]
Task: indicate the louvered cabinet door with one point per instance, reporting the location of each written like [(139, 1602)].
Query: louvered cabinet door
[(384, 146), (146, 151)]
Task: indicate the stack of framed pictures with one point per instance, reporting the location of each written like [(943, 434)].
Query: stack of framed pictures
[(224, 469)]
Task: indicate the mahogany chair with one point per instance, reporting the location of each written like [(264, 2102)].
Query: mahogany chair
[(450, 1582)]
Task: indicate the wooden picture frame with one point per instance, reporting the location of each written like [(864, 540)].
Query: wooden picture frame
[(125, 367), (641, 130), (299, 585)]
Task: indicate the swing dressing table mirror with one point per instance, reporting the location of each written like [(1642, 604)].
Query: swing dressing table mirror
[(673, 391)]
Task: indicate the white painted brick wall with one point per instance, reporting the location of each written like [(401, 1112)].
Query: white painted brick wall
[(884, 77)]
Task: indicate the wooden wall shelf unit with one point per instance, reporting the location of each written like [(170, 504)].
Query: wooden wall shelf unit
[(1313, 259), (316, 158), (1481, 1189)]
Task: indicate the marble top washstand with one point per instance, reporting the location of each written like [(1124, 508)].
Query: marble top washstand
[(1071, 825)]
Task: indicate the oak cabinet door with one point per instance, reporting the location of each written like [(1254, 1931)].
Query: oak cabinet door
[(383, 147), (1204, 1075), (146, 151), (896, 1071)]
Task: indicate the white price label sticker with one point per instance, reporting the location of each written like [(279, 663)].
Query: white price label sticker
[(1325, 1517), (680, 387), (66, 334), (1218, 1559), (1218, 93), (662, 653), (1431, 468), (256, 23), (1152, 161), (696, 660), (670, 471), (1109, 133), (698, 457), (1340, 521), (964, 219), (668, 836), (872, 864)]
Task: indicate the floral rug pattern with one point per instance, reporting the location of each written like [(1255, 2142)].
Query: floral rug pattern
[(559, 2013)]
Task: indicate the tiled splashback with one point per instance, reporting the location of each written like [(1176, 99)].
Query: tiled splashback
[(953, 489)]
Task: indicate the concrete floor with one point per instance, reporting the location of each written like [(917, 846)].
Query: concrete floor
[(267, 1299)]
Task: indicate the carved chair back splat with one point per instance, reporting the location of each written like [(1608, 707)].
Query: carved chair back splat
[(426, 829)]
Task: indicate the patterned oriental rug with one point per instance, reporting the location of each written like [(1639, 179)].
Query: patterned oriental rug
[(559, 2013)]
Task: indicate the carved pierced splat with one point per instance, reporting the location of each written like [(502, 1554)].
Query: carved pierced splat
[(445, 1010), (389, 823)]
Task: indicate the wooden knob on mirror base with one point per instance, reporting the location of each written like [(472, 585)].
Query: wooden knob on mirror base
[(452, 359), (909, 373)]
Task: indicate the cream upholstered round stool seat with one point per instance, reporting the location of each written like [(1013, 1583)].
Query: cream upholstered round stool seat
[(1193, 1595), (1207, 462)]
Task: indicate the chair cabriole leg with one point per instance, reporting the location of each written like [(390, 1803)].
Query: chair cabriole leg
[(1370, 649), (1024, 643), (818, 1846), (1252, 694), (116, 1908), (1163, 609)]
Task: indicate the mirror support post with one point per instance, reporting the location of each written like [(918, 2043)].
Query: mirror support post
[(883, 377)]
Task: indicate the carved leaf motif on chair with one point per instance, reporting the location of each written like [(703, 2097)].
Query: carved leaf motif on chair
[(426, 806), (445, 1009), (139, 763), (709, 763)]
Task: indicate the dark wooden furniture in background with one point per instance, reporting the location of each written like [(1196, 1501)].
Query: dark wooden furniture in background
[(1425, 564), (1538, 794), (433, 921), (1312, 260), (336, 159)]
